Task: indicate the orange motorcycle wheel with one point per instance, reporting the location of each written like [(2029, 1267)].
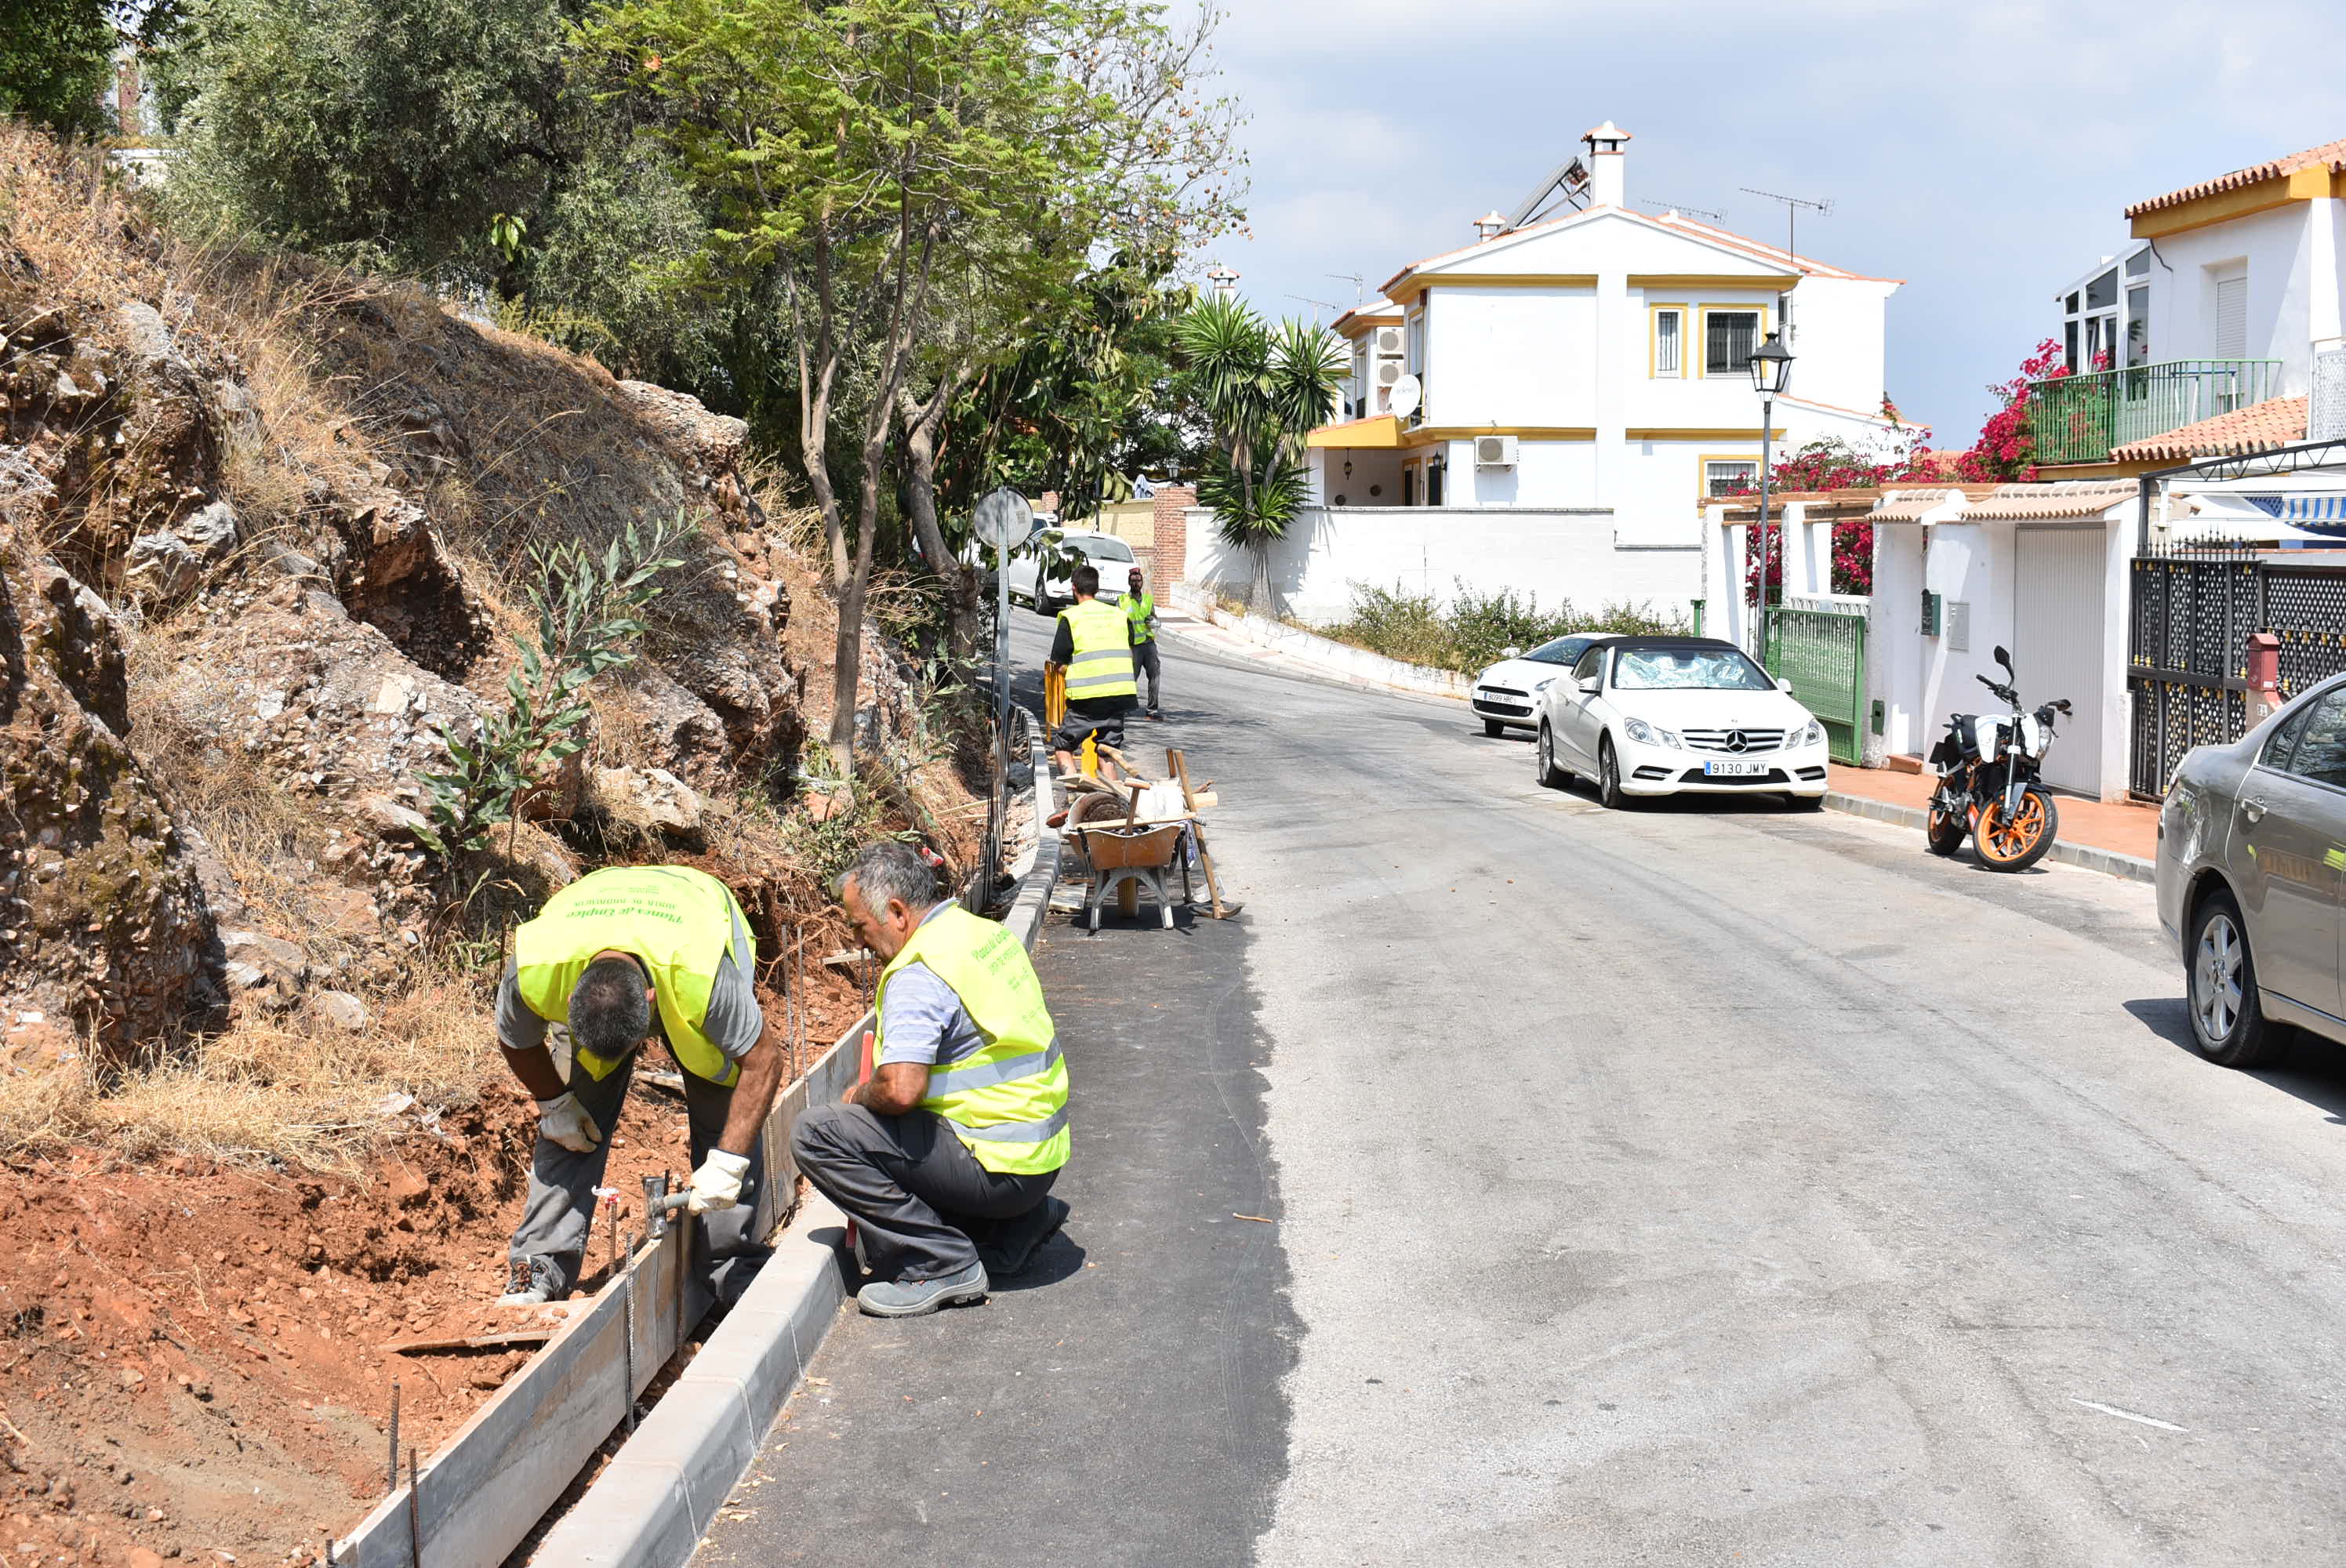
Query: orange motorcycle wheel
[(2016, 841)]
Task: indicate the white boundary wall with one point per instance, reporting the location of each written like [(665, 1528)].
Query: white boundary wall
[(1557, 555)]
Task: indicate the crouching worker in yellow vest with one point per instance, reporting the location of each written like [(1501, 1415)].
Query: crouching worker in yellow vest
[(945, 1157), (621, 956)]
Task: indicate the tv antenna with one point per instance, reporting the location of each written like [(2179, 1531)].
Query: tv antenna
[(1355, 279), (1678, 207), (1321, 304), (1792, 205)]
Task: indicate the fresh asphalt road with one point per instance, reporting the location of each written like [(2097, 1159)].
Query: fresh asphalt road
[(1705, 1184)]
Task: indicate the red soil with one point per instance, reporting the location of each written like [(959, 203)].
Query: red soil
[(191, 1361)]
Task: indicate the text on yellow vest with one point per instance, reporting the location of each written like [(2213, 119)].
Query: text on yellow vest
[(677, 921), (1008, 1099)]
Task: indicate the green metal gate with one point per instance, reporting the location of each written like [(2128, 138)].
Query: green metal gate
[(1823, 653)]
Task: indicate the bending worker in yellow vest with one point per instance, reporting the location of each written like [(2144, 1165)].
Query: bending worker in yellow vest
[(1093, 645), (623, 956), (945, 1157)]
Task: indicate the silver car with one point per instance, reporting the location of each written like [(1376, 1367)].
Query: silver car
[(2251, 860)]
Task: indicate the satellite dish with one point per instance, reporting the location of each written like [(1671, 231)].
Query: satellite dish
[(1003, 518), (1407, 393)]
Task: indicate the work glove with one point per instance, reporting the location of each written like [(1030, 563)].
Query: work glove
[(718, 1183), (565, 1121)]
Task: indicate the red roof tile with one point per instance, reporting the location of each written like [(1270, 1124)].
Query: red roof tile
[(2330, 154), (2260, 427)]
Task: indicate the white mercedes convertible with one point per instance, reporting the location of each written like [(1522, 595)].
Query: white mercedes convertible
[(1675, 715)]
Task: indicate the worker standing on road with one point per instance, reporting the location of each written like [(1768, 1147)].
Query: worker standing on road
[(945, 1156), (1140, 612), (623, 955), (1094, 646)]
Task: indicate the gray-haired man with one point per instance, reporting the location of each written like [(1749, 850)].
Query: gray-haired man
[(945, 1157)]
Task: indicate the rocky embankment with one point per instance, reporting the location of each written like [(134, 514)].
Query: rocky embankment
[(265, 531)]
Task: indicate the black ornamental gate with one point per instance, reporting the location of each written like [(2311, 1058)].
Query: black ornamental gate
[(2192, 612)]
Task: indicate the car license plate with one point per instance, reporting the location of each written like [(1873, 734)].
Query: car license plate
[(1735, 769)]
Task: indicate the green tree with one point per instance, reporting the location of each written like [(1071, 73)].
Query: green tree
[(1265, 389), (57, 57), (385, 133), (915, 178)]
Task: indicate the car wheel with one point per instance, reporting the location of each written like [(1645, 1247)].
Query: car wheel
[(1544, 767), (1608, 777), (1494, 728), (2228, 1022)]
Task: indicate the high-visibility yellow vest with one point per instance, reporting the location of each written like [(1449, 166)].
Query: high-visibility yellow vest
[(677, 921), (1137, 609), (1101, 662), (1007, 1100)]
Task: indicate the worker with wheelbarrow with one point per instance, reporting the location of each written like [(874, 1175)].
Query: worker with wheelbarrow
[(1093, 644)]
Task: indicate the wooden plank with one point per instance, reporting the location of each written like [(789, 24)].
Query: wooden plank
[(488, 1486)]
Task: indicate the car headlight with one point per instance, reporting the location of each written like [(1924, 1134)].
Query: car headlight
[(1813, 735), (1538, 686), (1646, 734)]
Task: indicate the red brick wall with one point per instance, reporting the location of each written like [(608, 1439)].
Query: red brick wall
[(1170, 551)]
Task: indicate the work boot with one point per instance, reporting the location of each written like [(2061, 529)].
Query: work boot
[(530, 1282), (1157, 715), (913, 1297), (1012, 1244)]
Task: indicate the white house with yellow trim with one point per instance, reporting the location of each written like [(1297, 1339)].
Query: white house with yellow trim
[(1582, 388), (2226, 304)]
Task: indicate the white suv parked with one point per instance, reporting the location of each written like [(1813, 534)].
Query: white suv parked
[(1052, 590)]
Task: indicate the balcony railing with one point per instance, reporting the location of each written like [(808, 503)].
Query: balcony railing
[(2079, 418)]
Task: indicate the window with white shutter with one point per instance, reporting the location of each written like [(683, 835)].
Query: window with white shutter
[(2232, 318)]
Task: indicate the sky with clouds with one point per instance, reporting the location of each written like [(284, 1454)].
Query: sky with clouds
[(1984, 152)]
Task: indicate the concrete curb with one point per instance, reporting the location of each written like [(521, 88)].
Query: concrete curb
[(1324, 656), (661, 1491), (2110, 863)]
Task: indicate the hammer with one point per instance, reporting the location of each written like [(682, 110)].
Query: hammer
[(659, 1203)]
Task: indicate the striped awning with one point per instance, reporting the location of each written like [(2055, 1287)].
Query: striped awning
[(2302, 507)]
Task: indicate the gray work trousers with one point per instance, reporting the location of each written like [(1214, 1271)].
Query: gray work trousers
[(913, 1187), (1145, 662), (558, 1220)]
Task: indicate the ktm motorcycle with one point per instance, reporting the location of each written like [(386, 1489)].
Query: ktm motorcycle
[(1988, 789)]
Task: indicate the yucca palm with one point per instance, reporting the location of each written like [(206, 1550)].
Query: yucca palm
[(1265, 389)]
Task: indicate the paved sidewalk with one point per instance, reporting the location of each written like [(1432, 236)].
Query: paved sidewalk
[(2123, 830), (1121, 1401)]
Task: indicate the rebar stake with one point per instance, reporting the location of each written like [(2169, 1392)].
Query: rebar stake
[(627, 1312), (395, 1439), (414, 1515)]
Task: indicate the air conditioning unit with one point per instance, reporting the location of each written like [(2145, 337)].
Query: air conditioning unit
[(1389, 371), (1494, 452), (1391, 342)]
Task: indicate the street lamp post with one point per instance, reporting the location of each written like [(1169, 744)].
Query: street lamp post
[(1771, 371)]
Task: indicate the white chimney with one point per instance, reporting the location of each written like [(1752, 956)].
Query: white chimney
[(1489, 226), (1604, 161)]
